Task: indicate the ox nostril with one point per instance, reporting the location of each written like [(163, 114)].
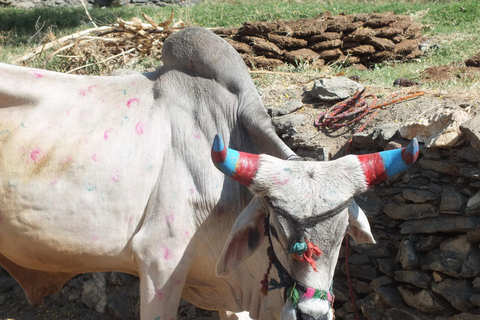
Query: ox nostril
[(304, 316)]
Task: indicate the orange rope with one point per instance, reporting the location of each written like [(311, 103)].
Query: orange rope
[(354, 109)]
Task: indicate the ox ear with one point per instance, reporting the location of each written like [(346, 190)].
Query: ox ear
[(358, 226), (245, 238)]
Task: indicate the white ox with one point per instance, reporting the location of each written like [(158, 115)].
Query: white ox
[(115, 174)]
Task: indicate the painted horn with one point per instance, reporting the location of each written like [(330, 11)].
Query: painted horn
[(382, 165), (240, 166)]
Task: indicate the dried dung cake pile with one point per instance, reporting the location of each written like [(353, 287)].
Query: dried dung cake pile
[(355, 39)]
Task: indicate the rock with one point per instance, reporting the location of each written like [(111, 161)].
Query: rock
[(405, 82), (335, 88), (445, 262), (459, 245), (3, 299), (388, 266), (417, 278), (371, 308), (380, 249), (476, 284), (284, 123), (23, 5), (440, 166), (424, 301), (472, 173), (418, 196), (364, 141), (404, 314), (464, 316), (469, 154), (439, 277), (362, 287), (117, 304), (474, 299), (437, 128), (390, 296), (471, 129), (362, 272), (409, 211), (7, 284), (471, 266), (428, 243), (474, 235), (384, 133), (440, 224), (94, 294), (473, 204), (407, 257), (380, 281), (473, 61), (457, 292), (289, 107), (452, 201)]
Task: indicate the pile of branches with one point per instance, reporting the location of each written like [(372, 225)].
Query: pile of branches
[(102, 49), (363, 39)]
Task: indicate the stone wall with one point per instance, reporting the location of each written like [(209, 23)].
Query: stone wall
[(426, 263)]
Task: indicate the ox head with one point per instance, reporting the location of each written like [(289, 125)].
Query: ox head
[(303, 209)]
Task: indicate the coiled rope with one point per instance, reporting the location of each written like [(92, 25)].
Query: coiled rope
[(354, 109)]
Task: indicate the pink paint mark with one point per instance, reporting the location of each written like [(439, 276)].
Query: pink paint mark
[(95, 238), (140, 128), (177, 282), (115, 175), (82, 93), (70, 110), (96, 157), (197, 136), (133, 103), (160, 295), (187, 234), (36, 75), (36, 154), (280, 182), (91, 88), (309, 294), (130, 219), (53, 182), (106, 133), (167, 254), (192, 190)]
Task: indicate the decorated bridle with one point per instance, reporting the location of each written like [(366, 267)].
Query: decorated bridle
[(242, 167)]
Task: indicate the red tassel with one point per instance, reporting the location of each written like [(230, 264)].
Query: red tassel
[(308, 256)]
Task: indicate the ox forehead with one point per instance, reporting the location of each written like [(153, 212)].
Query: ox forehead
[(115, 174)]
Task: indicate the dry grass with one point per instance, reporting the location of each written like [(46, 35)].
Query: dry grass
[(106, 47)]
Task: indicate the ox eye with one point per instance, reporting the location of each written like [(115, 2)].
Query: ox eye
[(274, 232)]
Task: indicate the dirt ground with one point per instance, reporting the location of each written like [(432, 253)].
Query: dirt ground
[(278, 92)]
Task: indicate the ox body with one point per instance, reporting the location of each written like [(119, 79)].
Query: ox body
[(115, 174)]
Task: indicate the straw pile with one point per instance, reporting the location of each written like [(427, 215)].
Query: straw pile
[(102, 49)]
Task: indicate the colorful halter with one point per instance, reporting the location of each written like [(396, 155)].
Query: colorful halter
[(292, 286)]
